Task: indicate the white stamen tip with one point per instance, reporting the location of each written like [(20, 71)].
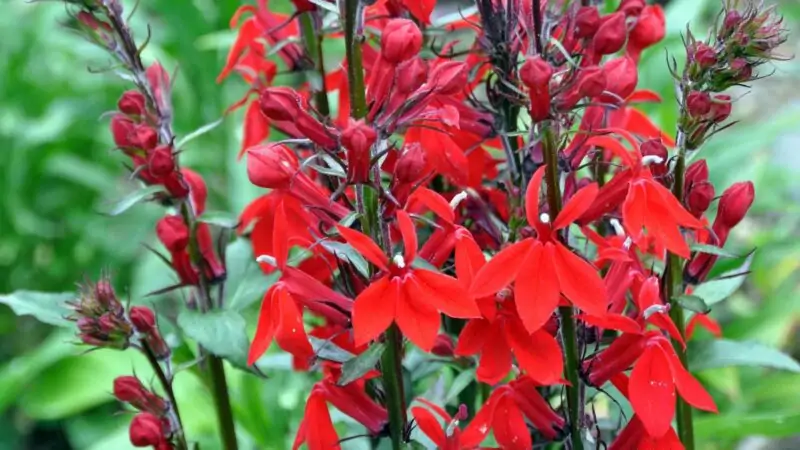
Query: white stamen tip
[(460, 197), (267, 259), (618, 229), (651, 159), (627, 244), (544, 218), (399, 261)]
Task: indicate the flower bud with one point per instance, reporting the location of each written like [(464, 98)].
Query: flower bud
[(611, 34), (132, 103), (449, 77), (732, 20), (704, 55), (631, 7), (535, 74), (401, 40), (621, 78), (592, 82), (654, 147), (649, 30), (443, 346), (734, 204), (271, 166), (699, 197), (129, 389), (413, 74), (410, 164), (721, 108), (302, 6), (175, 185), (698, 103), (145, 137), (215, 270), (358, 139), (280, 103), (162, 161), (173, 233), (587, 20), (146, 430), (697, 172), (122, 129), (197, 189), (143, 319), (314, 130), (741, 69)]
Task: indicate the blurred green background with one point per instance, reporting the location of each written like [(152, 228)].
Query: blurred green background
[(57, 173)]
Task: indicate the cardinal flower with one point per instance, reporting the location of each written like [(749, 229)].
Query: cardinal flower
[(408, 296), (543, 268), (452, 437)]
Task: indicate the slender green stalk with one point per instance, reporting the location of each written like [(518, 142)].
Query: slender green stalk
[(313, 42), (355, 69), (222, 402), (569, 333), (166, 384), (392, 369)]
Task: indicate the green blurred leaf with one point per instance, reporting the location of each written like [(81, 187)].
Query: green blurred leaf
[(222, 219), (198, 132), (348, 253), (716, 353), (246, 282), (46, 307), (327, 350), (357, 367), (693, 303), (720, 288), (713, 250), (222, 332), (133, 198), (459, 384), (736, 426)]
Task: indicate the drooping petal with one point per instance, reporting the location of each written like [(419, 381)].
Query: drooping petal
[(652, 391), (472, 337), (429, 425), (320, 433), (435, 202), (265, 330), (536, 290), (630, 436), (688, 387), (537, 353), (634, 210), (500, 270), (256, 127), (706, 322), (509, 425), (536, 408), (576, 206), (418, 319), (447, 294), (280, 236), (617, 322), (495, 360), (366, 246), (532, 196), (409, 234), (579, 281), (479, 426), (290, 334), (673, 206), (374, 310), (469, 259)]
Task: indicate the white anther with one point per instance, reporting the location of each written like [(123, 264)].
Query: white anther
[(627, 244), (267, 259), (652, 159), (618, 229), (460, 197), (399, 261), (544, 218)]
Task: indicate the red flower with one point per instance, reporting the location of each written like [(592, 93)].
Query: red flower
[(451, 437), (408, 296), (543, 268), (635, 437)]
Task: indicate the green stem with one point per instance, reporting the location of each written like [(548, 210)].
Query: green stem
[(313, 43), (355, 69), (392, 370), (569, 333), (166, 384), (222, 403)]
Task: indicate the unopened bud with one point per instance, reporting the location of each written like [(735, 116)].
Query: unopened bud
[(698, 103), (535, 74), (655, 148), (443, 346), (649, 29), (413, 74), (143, 319), (449, 77), (621, 78), (411, 164), (699, 198), (611, 34), (162, 161), (173, 233), (401, 40), (592, 82), (280, 103), (146, 430), (358, 139), (734, 204), (631, 7), (704, 55), (721, 107), (587, 20), (132, 103), (271, 166)]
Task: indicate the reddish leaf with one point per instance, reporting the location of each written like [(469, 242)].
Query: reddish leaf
[(652, 391), (536, 289), (374, 310), (500, 270), (366, 246)]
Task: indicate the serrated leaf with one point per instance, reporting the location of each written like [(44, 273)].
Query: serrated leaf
[(222, 219), (347, 252), (693, 303), (722, 287), (716, 353), (46, 307), (459, 384), (327, 350), (221, 332), (133, 198), (357, 367), (713, 250), (198, 132)]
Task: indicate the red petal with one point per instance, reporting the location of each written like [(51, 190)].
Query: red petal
[(248, 33), (652, 391), (418, 320), (256, 127), (634, 210), (265, 330), (688, 387), (673, 206), (366, 246), (478, 427), (280, 237), (374, 310), (495, 360), (509, 426), (612, 322), (538, 354), (420, 9), (500, 270), (469, 259), (320, 435), (579, 281), (706, 322), (436, 408), (576, 206), (644, 96), (429, 425), (409, 234), (471, 339), (446, 294), (435, 202), (290, 334), (536, 289), (630, 436), (532, 196)]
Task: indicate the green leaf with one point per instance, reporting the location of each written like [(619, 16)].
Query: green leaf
[(222, 219), (736, 426), (133, 198), (692, 303), (327, 350), (715, 353), (347, 252), (459, 384), (222, 332), (198, 132), (722, 287), (50, 308), (356, 368), (246, 282), (713, 250)]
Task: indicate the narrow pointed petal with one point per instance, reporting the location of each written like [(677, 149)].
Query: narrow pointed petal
[(634, 210), (435, 202), (409, 234), (290, 333), (447, 294), (436, 409), (479, 426), (509, 426), (265, 330), (471, 340), (418, 320), (469, 259), (673, 206), (688, 387), (536, 291), (630, 436), (532, 196), (579, 281), (280, 237), (500, 270), (537, 353), (366, 246), (320, 433), (429, 425), (495, 360), (576, 206), (612, 322), (374, 310), (652, 391), (704, 321)]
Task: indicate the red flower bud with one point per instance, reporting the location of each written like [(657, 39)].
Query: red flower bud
[(162, 161), (621, 77), (132, 103), (535, 74), (698, 103), (122, 129), (215, 270), (358, 139), (649, 29), (699, 198), (610, 37), (175, 185), (631, 7), (197, 189), (280, 103), (587, 20), (146, 430), (128, 389), (145, 137), (448, 78), (413, 74), (734, 204), (697, 172), (173, 233), (654, 147), (271, 166), (314, 130), (143, 319), (704, 55), (592, 82), (182, 265), (721, 107), (443, 346), (732, 20), (302, 6), (411, 164), (401, 40), (742, 70)]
